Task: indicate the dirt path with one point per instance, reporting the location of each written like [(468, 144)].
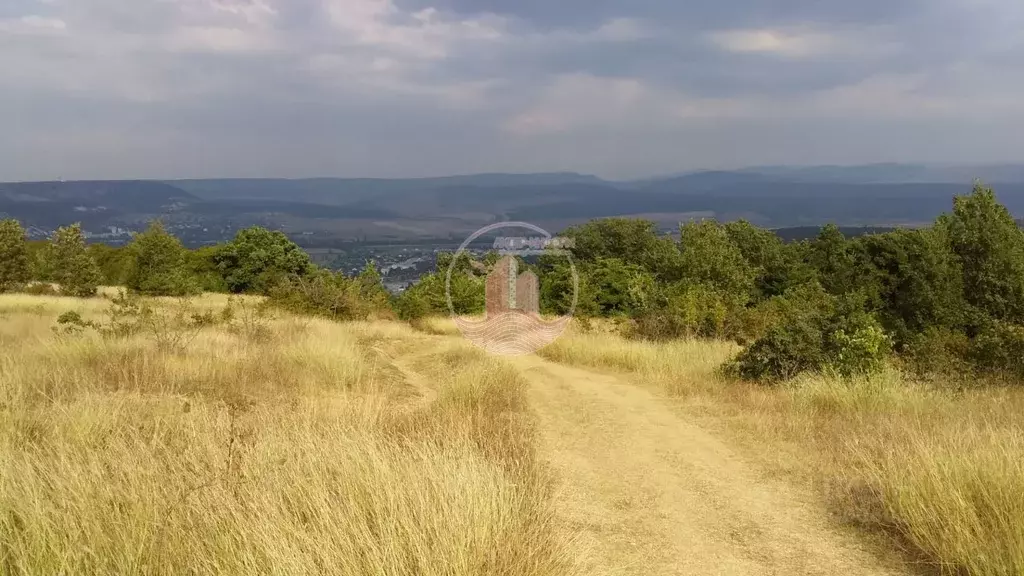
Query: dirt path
[(655, 495)]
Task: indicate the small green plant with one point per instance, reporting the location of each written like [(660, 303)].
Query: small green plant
[(129, 315), (71, 323), (858, 351), (249, 321)]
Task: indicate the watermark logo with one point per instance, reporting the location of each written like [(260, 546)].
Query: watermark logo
[(512, 324)]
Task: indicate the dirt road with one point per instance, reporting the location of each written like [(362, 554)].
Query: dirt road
[(653, 494)]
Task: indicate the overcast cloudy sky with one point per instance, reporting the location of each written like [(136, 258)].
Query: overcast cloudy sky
[(619, 88)]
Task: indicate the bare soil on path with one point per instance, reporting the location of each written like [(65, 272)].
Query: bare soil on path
[(653, 494)]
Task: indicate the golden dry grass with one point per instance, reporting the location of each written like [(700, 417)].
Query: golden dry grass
[(299, 449), (937, 472), (680, 367)]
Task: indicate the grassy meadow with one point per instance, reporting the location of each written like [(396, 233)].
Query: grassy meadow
[(261, 443), (939, 471)]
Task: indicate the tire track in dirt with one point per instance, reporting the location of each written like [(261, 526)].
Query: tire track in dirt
[(652, 494)]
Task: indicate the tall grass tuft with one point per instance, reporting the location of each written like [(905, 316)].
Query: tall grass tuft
[(305, 452)]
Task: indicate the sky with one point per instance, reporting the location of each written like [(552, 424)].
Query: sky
[(401, 88)]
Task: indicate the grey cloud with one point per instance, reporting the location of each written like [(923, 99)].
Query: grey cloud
[(177, 88), (690, 14)]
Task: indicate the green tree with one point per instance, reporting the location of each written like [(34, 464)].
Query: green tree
[(463, 265), (157, 264), (14, 262), (114, 262), (66, 261), (831, 256), (913, 281), (371, 288), (777, 267), (989, 247), (710, 257), (258, 258), (427, 296), (632, 240), (202, 265), (36, 266), (557, 288), (618, 288)]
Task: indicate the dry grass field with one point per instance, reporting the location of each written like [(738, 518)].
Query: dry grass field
[(938, 471), (222, 438), (266, 444)]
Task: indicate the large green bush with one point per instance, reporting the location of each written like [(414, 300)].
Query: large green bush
[(782, 353), (816, 332), (328, 294), (939, 351), (999, 348)]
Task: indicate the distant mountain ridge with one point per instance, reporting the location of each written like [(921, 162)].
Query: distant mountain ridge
[(344, 190), (350, 209)]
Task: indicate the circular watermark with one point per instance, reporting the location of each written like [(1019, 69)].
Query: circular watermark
[(512, 324)]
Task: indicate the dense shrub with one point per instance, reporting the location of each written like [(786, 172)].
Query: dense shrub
[(557, 288), (859, 346), (939, 351), (201, 264), (334, 295), (324, 293), (782, 353), (615, 287), (999, 348), (912, 280), (816, 332), (427, 297), (685, 311)]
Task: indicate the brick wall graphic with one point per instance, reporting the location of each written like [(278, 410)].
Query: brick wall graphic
[(507, 290), (513, 324)]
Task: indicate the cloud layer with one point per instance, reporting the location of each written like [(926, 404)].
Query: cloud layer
[(620, 88)]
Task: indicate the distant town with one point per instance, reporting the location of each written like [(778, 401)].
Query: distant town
[(400, 263)]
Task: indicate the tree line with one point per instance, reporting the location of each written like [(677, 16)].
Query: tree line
[(940, 300), (947, 298)]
